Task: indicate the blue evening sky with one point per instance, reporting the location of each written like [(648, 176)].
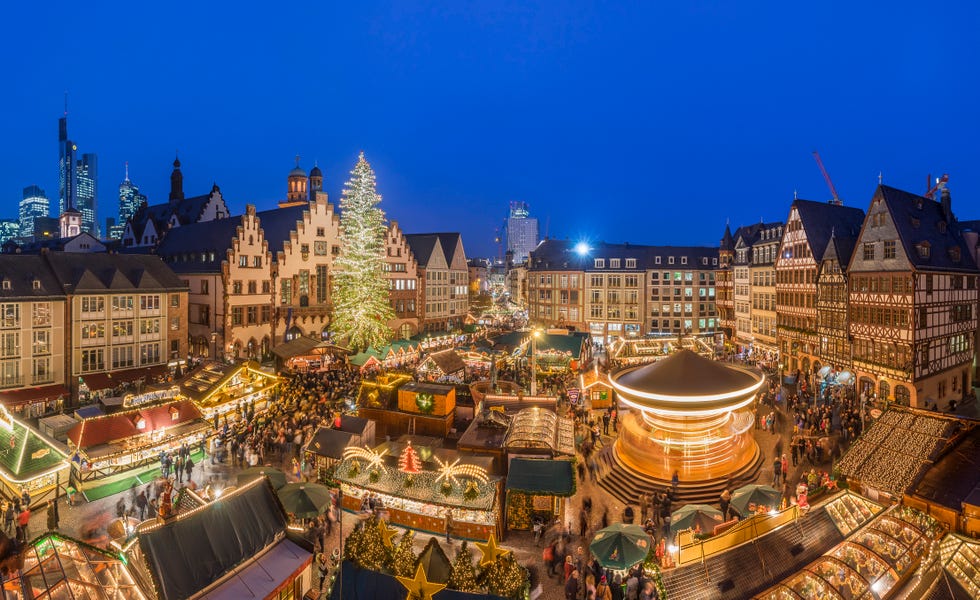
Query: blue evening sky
[(648, 122)]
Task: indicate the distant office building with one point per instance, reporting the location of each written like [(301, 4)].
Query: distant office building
[(86, 195), (33, 205), (66, 162), (9, 229), (46, 228), (130, 200), (522, 231)]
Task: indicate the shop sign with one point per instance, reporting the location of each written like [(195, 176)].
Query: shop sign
[(40, 453), (573, 394), (130, 400)]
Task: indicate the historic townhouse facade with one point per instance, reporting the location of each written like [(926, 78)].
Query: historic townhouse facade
[(442, 272), (305, 241), (805, 237), (832, 302), (33, 334), (725, 285), (912, 301), (620, 290), (762, 273), (401, 270)]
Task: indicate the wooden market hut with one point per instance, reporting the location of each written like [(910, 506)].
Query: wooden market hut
[(107, 444), (326, 448), (306, 353), (221, 390), (595, 389), (28, 461), (535, 488), (442, 365)]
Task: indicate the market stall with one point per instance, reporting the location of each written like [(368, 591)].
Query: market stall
[(107, 444), (27, 461), (326, 448), (442, 366), (536, 489), (417, 486), (540, 432), (223, 391), (595, 389), (307, 354)]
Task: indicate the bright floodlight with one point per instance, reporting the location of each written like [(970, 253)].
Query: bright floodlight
[(582, 248)]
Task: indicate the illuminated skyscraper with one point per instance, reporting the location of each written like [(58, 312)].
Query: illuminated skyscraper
[(130, 200), (33, 205), (522, 231), (66, 163), (87, 191)]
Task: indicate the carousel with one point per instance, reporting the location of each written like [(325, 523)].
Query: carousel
[(690, 415)]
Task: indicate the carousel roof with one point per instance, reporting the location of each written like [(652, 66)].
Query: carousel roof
[(57, 566), (687, 374)]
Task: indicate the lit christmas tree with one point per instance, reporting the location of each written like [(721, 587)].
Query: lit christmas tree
[(366, 548), (505, 577), (361, 308), (462, 575), (409, 461), (403, 559)]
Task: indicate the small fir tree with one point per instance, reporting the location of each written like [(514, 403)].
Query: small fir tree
[(505, 577), (367, 549), (403, 559), (462, 574), (409, 461), (361, 308)]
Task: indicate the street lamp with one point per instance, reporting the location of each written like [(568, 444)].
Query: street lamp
[(535, 334)]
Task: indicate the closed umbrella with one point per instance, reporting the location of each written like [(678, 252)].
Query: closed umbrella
[(276, 477), (305, 500), (620, 546), (747, 498), (695, 515)]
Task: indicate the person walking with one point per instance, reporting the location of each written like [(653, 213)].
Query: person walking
[(8, 519), (777, 467), (23, 519), (449, 526), (725, 502), (189, 468), (784, 468), (141, 504)]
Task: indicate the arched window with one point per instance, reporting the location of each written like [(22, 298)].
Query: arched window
[(902, 395), (883, 390)]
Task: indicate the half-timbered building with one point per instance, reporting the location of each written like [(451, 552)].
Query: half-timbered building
[(835, 349), (912, 301), (805, 238)]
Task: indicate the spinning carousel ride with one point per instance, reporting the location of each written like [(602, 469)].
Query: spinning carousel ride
[(691, 415)]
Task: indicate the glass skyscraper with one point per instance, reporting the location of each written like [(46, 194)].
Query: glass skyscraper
[(522, 231), (130, 200), (66, 163), (86, 198), (33, 205)]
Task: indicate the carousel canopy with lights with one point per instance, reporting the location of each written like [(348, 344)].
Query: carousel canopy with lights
[(690, 414)]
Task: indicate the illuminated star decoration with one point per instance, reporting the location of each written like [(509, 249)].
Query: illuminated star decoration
[(386, 532), (419, 587), (490, 551), (450, 472)]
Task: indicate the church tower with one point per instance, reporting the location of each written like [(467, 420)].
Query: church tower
[(296, 192), (176, 183)]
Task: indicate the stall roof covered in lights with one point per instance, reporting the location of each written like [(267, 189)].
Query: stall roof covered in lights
[(215, 382), (24, 454), (108, 435), (961, 561), (539, 428), (58, 567), (867, 565)]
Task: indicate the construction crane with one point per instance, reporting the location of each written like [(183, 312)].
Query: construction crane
[(940, 183), (826, 176)]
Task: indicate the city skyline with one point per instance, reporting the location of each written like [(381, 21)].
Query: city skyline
[(715, 114)]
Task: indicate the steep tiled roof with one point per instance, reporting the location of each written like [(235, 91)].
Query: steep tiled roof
[(820, 219), (727, 241), (843, 245), (278, 223), (81, 273), (422, 245), (920, 220), (449, 242), (561, 255), (21, 271), (199, 247)]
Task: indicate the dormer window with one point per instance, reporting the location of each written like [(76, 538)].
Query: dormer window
[(613, 263), (600, 263), (670, 260), (683, 260), (36, 284), (6, 284), (942, 226), (630, 263), (923, 249), (954, 254)]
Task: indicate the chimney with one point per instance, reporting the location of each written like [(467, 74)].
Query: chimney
[(946, 203)]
